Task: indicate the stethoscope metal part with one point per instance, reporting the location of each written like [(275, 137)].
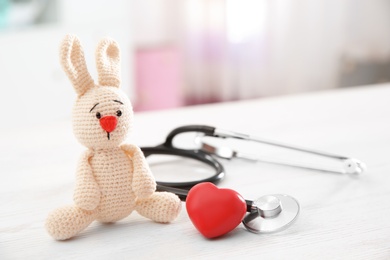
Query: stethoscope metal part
[(272, 213), (349, 165)]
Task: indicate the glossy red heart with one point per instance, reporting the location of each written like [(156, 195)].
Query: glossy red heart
[(214, 211)]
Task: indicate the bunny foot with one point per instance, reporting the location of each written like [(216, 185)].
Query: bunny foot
[(66, 222), (162, 207)]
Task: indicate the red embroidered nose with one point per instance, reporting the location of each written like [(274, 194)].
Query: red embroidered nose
[(108, 123)]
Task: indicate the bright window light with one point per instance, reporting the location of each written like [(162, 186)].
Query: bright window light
[(245, 19)]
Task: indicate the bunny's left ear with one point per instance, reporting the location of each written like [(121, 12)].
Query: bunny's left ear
[(108, 63)]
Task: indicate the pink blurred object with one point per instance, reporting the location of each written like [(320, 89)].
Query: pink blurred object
[(157, 79)]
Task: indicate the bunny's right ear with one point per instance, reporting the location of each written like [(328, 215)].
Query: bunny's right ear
[(74, 65)]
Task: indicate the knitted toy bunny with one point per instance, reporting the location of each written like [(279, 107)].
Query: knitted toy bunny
[(113, 179)]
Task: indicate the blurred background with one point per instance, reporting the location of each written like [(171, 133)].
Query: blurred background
[(186, 52)]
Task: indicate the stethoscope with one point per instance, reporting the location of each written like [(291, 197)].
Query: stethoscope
[(267, 214)]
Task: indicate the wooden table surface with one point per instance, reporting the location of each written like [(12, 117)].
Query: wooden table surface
[(341, 217)]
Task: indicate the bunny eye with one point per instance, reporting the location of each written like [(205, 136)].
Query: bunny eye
[(118, 113), (98, 115)]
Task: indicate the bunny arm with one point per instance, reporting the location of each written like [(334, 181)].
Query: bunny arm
[(87, 193), (144, 184)]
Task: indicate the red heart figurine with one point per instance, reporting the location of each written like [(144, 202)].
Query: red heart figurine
[(214, 211)]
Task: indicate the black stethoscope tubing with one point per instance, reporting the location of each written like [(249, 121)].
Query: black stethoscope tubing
[(196, 155), (181, 188)]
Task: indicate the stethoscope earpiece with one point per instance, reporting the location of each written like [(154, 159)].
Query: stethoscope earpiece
[(354, 167), (272, 213)]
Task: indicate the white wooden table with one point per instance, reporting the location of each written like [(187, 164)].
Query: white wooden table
[(341, 217)]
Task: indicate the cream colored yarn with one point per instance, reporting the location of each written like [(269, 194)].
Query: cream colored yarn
[(113, 178)]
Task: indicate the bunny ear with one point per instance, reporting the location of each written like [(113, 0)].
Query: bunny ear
[(108, 63), (73, 63)]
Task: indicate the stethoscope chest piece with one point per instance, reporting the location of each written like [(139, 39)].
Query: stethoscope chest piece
[(272, 213)]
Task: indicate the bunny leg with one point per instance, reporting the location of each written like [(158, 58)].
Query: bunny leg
[(161, 207), (65, 222)]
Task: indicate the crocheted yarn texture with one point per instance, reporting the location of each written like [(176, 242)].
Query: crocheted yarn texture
[(113, 178)]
